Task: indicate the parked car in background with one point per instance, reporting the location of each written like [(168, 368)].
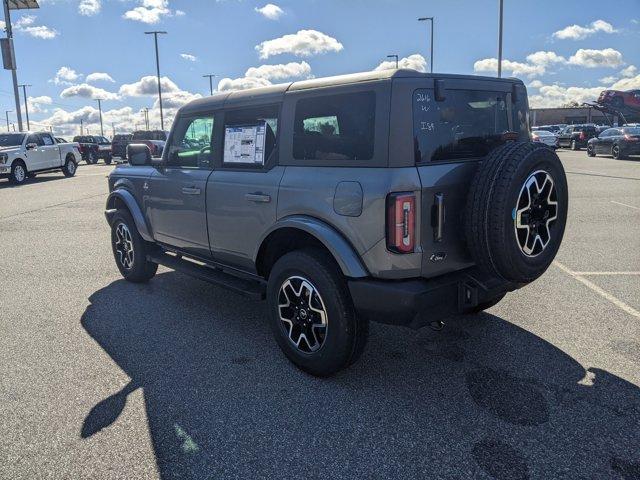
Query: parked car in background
[(545, 137), (119, 144), (619, 142), (576, 137), (23, 155), (619, 99), (93, 148), (154, 139), (548, 128), (328, 197), (61, 140)]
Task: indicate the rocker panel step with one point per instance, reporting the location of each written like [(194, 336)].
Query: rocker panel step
[(249, 288)]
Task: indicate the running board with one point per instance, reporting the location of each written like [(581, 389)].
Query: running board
[(250, 288)]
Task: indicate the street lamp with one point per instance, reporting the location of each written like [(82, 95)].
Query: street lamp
[(26, 106), (211, 77), (394, 56), (423, 19), (500, 41), (99, 100), (6, 113), (155, 34)]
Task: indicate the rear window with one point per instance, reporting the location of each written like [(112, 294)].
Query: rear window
[(467, 124), (335, 127)]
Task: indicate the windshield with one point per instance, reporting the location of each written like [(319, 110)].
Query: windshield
[(11, 139)]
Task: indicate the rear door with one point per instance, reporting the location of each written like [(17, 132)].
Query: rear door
[(242, 192), (176, 192), (51, 157), (451, 138)]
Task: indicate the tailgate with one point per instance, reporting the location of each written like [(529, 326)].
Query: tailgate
[(444, 196)]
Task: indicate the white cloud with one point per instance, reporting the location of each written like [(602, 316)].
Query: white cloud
[(36, 104), (176, 99), (535, 84), (65, 76), (577, 32), (25, 24), (84, 90), (556, 95), (242, 83), (608, 80), (189, 57), (99, 77), (545, 58), (589, 58), (632, 83), (516, 68), (304, 43), (148, 86), (180, 13), (412, 62), (630, 71), (281, 71), (270, 11), (149, 11), (89, 7)]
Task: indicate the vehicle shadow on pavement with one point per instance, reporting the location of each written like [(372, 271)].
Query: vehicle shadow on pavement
[(481, 399), (30, 181)]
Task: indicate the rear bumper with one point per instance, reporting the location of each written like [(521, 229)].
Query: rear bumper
[(416, 303)]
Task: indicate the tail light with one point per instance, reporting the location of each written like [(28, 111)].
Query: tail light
[(401, 222), (583, 136), (631, 138)]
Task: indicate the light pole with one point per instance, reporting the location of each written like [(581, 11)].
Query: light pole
[(26, 106), (423, 19), (211, 77), (99, 100), (6, 113), (396, 57), (500, 41), (155, 34)]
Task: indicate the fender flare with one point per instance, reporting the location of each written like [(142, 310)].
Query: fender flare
[(134, 209), (341, 250)]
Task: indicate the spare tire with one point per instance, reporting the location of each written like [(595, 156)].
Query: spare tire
[(516, 211)]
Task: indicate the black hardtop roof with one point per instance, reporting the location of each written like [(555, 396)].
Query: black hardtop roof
[(274, 93)]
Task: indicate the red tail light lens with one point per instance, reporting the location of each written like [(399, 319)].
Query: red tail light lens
[(629, 137), (401, 222)]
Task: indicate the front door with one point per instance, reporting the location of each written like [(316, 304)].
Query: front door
[(36, 157), (243, 190), (176, 192)]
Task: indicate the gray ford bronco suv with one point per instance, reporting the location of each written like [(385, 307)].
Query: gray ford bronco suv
[(392, 196)]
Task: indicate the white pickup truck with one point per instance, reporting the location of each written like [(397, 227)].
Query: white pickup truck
[(23, 155)]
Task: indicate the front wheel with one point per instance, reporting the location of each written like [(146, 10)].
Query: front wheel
[(107, 160), (616, 153), (590, 151), (130, 250), (574, 145), (312, 315), (18, 173), (92, 158)]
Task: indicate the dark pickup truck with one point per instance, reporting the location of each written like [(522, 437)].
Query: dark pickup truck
[(94, 147), (154, 139), (576, 137), (119, 145)]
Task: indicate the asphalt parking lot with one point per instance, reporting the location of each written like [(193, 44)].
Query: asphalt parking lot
[(100, 378)]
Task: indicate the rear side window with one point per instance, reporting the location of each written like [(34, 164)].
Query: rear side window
[(467, 124), (250, 136), (335, 127)]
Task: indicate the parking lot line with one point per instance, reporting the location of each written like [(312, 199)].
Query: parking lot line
[(625, 205), (607, 273), (616, 301), (597, 174)]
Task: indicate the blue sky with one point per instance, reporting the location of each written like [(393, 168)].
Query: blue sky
[(565, 51)]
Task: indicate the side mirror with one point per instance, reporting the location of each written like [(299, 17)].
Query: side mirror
[(138, 154), (31, 146)]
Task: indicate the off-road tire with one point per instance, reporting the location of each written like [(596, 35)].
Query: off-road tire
[(70, 167), (15, 176), (591, 151), (490, 216), (141, 270), (346, 332)]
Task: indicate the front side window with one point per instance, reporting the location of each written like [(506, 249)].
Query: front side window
[(191, 143), (467, 124), (34, 138), (250, 136), (335, 127)]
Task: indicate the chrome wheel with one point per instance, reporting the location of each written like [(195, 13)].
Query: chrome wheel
[(302, 314), (19, 173), (124, 246), (71, 167), (535, 213), (615, 151)]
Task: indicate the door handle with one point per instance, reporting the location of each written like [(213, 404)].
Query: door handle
[(258, 197), (191, 191)]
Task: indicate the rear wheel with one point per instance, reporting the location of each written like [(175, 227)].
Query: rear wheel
[(70, 167), (574, 145), (130, 250), (312, 315), (107, 160), (92, 158), (18, 173)]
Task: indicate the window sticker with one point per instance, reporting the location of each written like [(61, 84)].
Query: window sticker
[(244, 144)]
